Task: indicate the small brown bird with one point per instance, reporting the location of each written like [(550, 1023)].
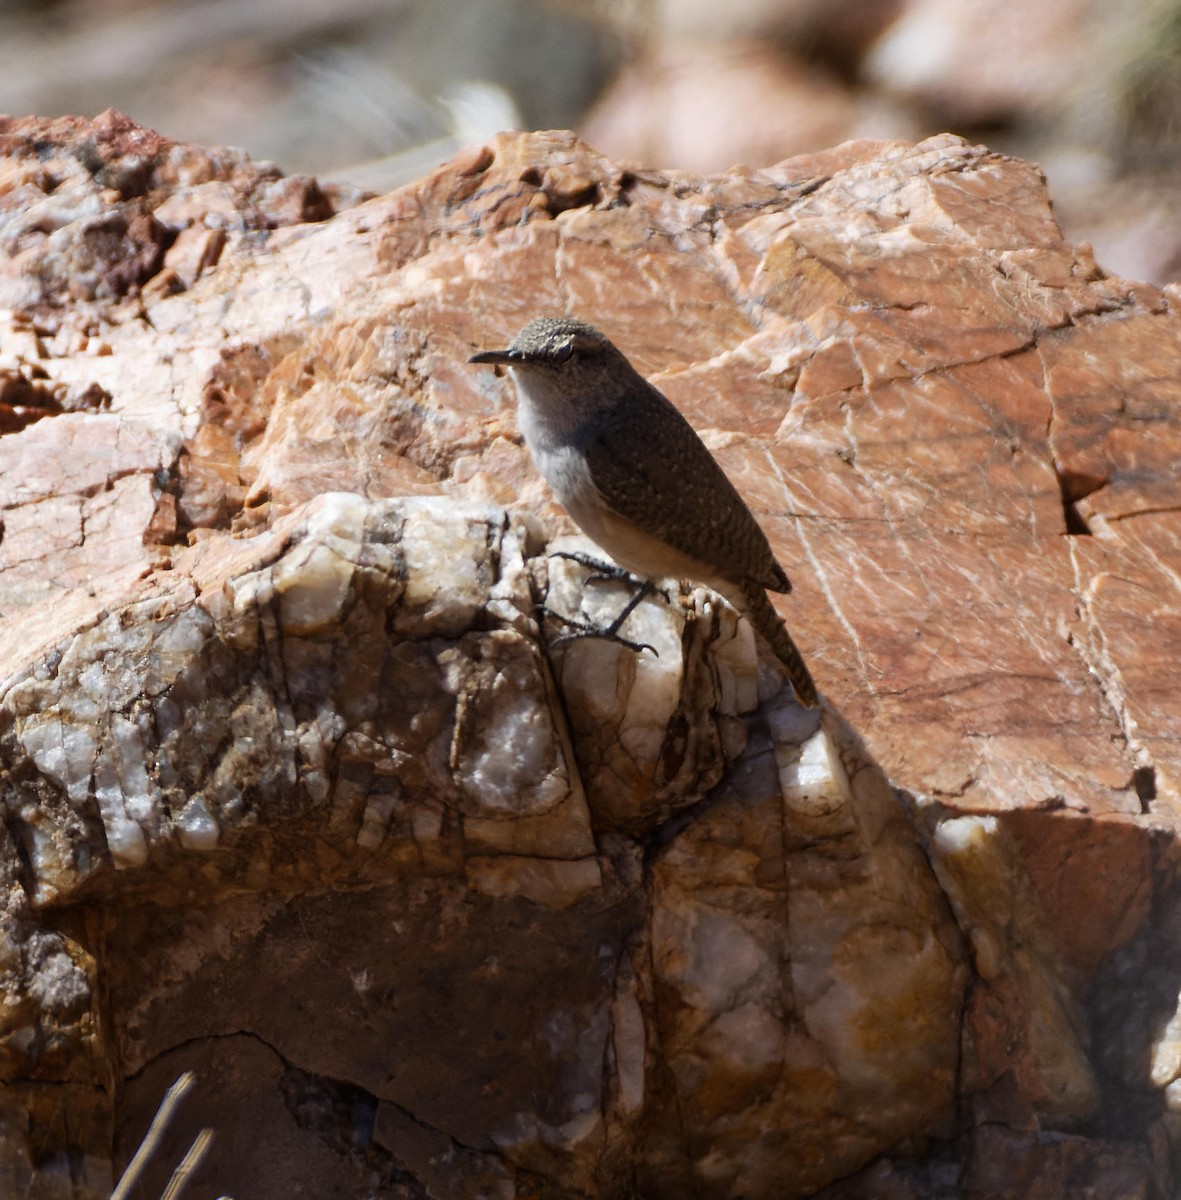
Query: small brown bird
[(638, 480)]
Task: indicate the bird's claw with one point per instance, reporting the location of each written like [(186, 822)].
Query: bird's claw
[(599, 569), (602, 571), (588, 629)]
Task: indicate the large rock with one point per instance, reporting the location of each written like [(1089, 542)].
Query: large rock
[(300, 794)]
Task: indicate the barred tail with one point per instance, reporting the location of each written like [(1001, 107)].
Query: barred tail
[(766, 621)]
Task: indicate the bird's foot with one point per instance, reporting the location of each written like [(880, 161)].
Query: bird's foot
[(608, 633), (602, 571), (599, 569)]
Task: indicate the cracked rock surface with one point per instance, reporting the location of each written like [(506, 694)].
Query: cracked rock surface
[(299, 792)]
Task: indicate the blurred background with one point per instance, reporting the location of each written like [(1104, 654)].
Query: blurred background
[(378, 92)]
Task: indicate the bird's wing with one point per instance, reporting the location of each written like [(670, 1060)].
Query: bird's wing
[(672, 488)]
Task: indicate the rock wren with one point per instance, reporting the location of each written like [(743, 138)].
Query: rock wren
[(637, 479)]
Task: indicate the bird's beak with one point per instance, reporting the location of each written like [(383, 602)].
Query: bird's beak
[(504, 358)]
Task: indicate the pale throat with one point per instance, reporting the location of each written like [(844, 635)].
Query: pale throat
[(546, 411)]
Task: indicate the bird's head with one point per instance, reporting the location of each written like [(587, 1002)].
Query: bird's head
[(558, 346)]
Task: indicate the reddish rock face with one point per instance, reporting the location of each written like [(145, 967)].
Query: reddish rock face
[(650, 931)]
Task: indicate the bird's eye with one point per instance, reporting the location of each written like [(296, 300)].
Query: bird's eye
[(564, 352)]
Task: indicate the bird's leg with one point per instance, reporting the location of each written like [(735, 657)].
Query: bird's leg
[(610, 632), (644, 588)]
